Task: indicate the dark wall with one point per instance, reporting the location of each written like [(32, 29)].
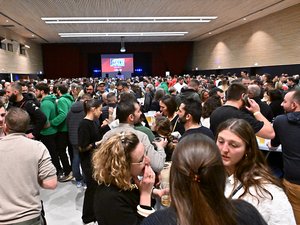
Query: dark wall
[(72, 60), (273, 70)]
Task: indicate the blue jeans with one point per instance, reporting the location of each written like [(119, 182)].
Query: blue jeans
[(76, 164)]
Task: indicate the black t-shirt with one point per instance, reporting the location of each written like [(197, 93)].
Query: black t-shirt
[(226, 112), (88, 133), (113, 206), (201, 130)]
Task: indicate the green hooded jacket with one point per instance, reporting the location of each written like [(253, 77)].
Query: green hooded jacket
[(63, 107), (164, 86), (48, 107)]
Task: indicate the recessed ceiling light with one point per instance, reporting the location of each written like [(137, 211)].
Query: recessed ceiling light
[(127, 34), (6, 21), (32, 35), (245, 18), (181, 19), (209, 33)]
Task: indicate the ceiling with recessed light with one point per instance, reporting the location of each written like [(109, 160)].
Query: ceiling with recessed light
[(69, 21)]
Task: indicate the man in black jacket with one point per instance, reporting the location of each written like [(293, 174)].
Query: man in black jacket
[(287, 130), (24, 101)]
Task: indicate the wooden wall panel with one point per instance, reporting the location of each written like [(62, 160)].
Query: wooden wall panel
[(272, 40), (71, 60)]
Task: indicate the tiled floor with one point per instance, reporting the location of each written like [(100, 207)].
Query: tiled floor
[(63, 206)]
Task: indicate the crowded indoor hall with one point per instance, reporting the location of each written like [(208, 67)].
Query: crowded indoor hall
[(146, 113)]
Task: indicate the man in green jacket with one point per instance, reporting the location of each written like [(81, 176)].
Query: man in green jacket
[(48, 134), (64, 104)]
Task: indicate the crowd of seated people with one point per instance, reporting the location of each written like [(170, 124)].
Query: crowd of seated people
[(98, 133)]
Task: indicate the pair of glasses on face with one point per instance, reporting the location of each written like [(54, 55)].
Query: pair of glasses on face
[(124, 141)]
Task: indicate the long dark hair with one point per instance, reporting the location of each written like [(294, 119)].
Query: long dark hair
[(170, 102), (197, 183), (253, 165)]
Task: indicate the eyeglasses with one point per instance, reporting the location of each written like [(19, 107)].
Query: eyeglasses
[(142, 162), (124, 141)]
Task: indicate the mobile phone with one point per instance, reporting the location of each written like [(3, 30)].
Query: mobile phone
[(245, 100)]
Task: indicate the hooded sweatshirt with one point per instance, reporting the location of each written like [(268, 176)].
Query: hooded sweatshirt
[(63, 107), (287, 129), (48, 107)]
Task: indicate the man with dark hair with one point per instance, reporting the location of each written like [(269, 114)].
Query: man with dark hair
[(287, 130), (64, 104), (236, 94), (90, 90), (25, 166), (190, 92), (37, 117), (180, 84), (128, 113), (48, 134), (189, 115)]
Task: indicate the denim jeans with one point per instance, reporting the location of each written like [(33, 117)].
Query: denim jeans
[(76, 163)]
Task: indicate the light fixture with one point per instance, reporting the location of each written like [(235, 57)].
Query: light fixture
[(123, 34), (180, 19), (27, 46), (122, 49)]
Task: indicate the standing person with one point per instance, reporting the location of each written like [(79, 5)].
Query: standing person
[(25, 166), (168, 108), (249, 177), (197, 184), (287, 130), (128, 112), (37, 117), (75, 116), (88, 136), (2, 119), (121, 197), (48, 135), (254, 93), (189, 115), (236, 100), (64, 104)]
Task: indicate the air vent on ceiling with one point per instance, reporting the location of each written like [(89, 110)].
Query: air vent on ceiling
[(8, 26)]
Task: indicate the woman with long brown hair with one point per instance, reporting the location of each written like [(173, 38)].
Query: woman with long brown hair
[(197, 184), (249, 177)]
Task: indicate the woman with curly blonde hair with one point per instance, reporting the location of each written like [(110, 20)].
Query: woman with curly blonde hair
[(125, 180)]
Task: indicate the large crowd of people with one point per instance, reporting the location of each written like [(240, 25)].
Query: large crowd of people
[(114, 137)]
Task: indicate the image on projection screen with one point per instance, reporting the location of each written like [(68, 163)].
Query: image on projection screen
[(117, 63)]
